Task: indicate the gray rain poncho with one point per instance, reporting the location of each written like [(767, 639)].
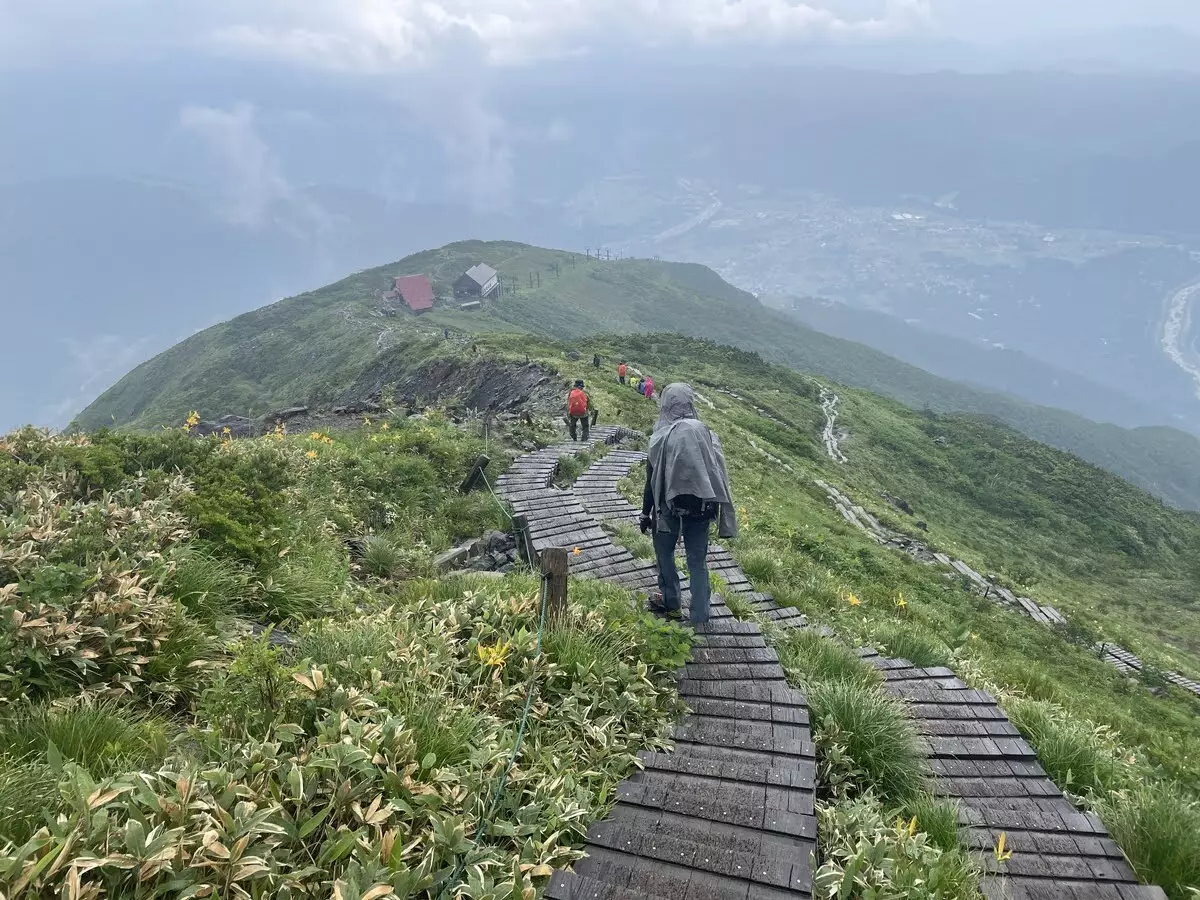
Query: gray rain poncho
[(686, 458)]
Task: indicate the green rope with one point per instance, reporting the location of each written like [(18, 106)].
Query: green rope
[(499, 502), (512, 759)]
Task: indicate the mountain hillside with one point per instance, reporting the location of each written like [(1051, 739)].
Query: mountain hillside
[(309, 348), (354, 506)]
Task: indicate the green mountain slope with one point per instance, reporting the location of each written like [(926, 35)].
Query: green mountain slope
[(311, 347)]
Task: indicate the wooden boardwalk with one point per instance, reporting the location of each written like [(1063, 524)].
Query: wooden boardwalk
[(979, 758), (729, 813)]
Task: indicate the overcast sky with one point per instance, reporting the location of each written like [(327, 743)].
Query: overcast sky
[(379, 35)]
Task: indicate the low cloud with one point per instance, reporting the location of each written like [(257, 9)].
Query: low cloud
[(379, 36), (253, 179), (383, 35)]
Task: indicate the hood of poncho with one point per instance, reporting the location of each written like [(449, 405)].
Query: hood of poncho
[(686, 458)]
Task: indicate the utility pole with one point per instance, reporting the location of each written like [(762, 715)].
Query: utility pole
[(539, 277)]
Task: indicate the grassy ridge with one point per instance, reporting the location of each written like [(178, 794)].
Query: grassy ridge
[(311, 347)]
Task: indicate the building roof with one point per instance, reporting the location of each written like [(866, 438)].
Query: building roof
[(415, 291), (481, 274)]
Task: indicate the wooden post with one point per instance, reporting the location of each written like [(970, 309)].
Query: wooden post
[(554, 569), (524, 541), (472, 479)]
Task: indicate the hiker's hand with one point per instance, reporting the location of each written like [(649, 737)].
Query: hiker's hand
[(645, 523)]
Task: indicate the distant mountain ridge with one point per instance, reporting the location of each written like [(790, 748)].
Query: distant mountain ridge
[(311, 347), (985, 367)]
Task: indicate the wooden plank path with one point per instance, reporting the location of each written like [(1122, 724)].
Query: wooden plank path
[(980, 759), (1122, 660), (728, 814)]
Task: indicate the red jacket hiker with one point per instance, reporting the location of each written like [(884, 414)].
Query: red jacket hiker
[(577, 402), (579, 405)]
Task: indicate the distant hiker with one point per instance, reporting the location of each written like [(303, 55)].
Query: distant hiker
[(595, 360), (687, 488), (622, 371), (579, 405), (446, 333), (640, 385), (648, 387), (474, 347)]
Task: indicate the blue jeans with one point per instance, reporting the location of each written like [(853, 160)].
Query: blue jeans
[(695, 545)]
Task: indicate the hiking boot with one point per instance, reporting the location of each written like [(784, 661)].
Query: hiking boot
[(655, 605)]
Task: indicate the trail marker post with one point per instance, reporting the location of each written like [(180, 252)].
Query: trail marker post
[(554, 570)]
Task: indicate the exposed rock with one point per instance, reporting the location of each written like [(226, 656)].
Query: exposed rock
[(453, 557), (291, 412)]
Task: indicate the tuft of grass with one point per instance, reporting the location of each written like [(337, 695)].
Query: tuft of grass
[(918, 647), (814, 658), (1158, 827), (571, 467), (761, 566), (440, 727), (577, 650), (211, 588), (102, 736), (1080, 757), (936, 817), (355, 646), (28, 794), (874, 732), (380, 556), (631, 538)]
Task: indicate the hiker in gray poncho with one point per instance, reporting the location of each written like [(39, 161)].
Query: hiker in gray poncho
[(687, 488)]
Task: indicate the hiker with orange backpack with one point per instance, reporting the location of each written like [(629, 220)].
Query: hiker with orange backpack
[(579, 409)]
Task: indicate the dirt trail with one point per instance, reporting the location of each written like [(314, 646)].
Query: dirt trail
[(830, 436)]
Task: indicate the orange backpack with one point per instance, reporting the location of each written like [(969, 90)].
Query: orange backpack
[(577, 402)]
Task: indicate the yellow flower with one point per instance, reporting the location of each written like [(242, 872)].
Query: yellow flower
[(193, 419), (900, 601), (311, 454), (909, 827), (974, 636), (576, 551), (225, 431), (1001, 853), (385, 426), (853, 601), (316, 436), (367, 421), (495, 655)]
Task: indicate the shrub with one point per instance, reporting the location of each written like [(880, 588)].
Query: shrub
[(254, 693), (874, 732), (918, 647), (1158, 827), (80, 585)]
